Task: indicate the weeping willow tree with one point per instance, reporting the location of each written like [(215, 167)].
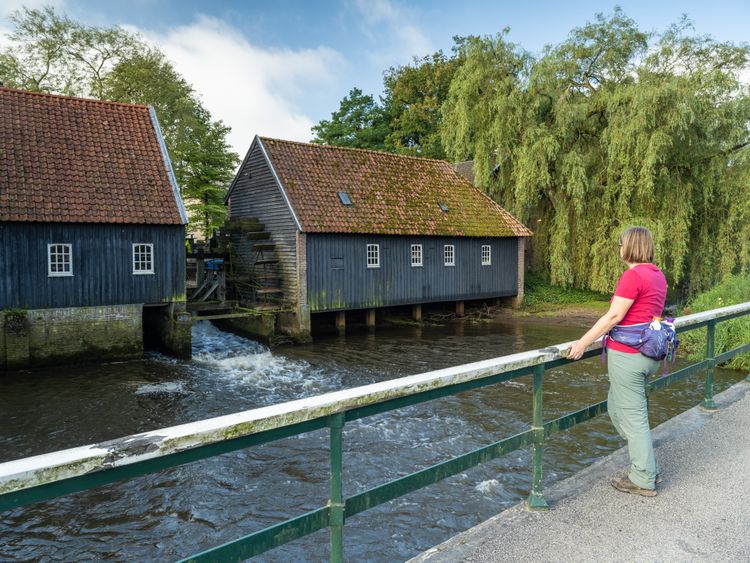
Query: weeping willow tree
[(611, 128)]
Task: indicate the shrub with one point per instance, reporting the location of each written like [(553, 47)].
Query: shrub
[(729, 334), (538, 292), (16, 321)]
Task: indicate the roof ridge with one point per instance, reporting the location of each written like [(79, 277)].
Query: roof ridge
[(355, 149), (75, 98)]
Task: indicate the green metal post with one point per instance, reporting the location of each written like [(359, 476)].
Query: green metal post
[(708, 399), (336, 503), (536, 501)]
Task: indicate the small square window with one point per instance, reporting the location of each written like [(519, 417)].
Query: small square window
[(373, 256), (143, 258), (416, 255), (345, 199), (486, 255), (449, 255), (59, 260)]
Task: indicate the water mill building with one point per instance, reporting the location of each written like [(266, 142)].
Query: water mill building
[(92, 248), (354, 229)]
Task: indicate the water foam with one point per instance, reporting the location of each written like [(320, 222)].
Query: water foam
[(241, 361), (490, 487), (158, 388)]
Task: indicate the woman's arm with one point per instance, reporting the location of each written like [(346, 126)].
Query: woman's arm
[(617, 310)]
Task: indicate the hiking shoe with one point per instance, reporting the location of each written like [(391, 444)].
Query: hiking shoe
[(625, 485), (658, 478)]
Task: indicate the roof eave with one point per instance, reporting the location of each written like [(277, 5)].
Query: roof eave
[(168, 165), (279, 184)]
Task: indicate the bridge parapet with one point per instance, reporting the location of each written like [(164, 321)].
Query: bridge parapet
[(46, 476)]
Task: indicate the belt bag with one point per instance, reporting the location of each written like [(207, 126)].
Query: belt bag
[(656, 340)]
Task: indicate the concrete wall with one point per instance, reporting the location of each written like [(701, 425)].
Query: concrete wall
[(74, 334)]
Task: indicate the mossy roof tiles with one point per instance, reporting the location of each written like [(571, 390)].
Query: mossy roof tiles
[(391, 194), (66, 159)]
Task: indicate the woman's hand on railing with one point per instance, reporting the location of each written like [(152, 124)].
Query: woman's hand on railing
[(576, 351)]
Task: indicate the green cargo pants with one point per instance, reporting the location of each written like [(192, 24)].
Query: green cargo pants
[(628, 411)]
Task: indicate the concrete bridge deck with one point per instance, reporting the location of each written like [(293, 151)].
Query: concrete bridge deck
[(701, 513)]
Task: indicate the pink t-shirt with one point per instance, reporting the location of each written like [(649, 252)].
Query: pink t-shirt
[(646, 285)]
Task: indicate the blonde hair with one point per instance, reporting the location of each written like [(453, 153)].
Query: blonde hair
[(637, 245)]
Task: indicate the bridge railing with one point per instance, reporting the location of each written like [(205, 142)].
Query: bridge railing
[(47, 476)]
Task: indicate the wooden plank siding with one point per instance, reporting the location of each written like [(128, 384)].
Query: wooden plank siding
[(338, 277), (257, 195), (102, 257)]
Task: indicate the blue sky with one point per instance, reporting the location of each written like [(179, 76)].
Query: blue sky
[(276, 68)]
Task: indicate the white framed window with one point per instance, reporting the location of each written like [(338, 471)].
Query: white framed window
[(59, 260), (143, 258), (416, 255), (449, 255), (373, 256), (486, 255)]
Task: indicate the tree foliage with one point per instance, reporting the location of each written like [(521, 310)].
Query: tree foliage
[(52, 53), (414, 95), (610, 128), (359, 122), (407, 118)]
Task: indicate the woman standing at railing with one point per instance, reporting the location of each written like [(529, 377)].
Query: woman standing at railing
[(639, 297)]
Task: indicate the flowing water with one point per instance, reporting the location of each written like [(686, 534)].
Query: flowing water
[(180, 511)]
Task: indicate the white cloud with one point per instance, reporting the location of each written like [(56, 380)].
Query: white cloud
[(390, 25), (252, 89)]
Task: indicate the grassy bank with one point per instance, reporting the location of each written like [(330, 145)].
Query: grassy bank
[(730, 334), (542, 297)]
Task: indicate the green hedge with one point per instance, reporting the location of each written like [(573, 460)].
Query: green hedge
[(729, 334)]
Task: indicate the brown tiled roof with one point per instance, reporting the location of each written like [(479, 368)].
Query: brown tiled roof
[(391, 194), (86, 161)]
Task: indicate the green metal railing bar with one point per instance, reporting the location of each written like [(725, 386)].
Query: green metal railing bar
[(265, 539), (570, 420), (430, 475), (536, 497), (43, 485), (336, 504), (708, 400), (726, 356), (431, 395)]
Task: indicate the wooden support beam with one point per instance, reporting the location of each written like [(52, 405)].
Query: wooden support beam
[(416, 312), (341, 321), (370, 321), (460, 308)]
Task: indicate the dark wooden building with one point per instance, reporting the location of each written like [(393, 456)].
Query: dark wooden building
[(360, 229), (91, 229)]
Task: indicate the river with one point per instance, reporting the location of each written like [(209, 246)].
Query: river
[(187, 509)]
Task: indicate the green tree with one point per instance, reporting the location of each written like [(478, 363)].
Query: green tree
[(359, 122), (413, 97), (610, 128), (213, 165), (52, 53), (407, 119)]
